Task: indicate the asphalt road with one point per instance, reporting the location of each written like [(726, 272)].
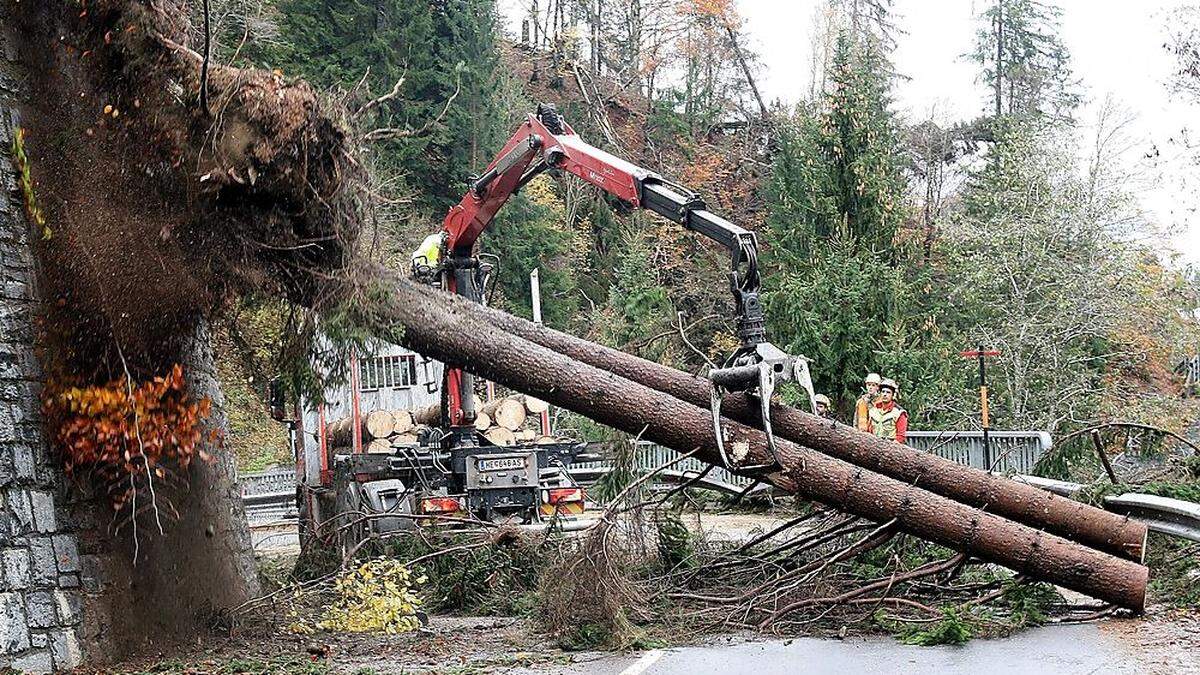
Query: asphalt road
[(1070, 649)]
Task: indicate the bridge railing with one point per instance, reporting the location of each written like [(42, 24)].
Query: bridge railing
[(649, 456), (1008, 451)]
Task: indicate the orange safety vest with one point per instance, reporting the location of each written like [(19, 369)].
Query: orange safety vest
[(862, 413)]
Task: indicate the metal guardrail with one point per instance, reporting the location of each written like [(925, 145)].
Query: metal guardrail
[(1009, 452), (1161, 514), (649, 456), (278, 479), (269, 496)]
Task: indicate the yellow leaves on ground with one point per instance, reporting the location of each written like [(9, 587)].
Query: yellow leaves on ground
[(377, 596)]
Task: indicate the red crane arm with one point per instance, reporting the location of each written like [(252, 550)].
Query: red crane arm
[(545, 141), (532, 149)]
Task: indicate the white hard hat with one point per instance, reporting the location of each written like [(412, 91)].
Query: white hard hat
[(873, 378), (821, 398), (890, 384)]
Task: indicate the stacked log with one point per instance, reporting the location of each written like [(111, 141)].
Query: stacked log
[(508, 412), (430, 415), (500, 436), (403, 422), (453, 330), (379, 423)]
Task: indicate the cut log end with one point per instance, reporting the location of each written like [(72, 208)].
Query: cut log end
[(536, 406), (379, 423), (402, 422), (500, 436)]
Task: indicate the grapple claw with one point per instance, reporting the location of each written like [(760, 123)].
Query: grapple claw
[(756, 371)]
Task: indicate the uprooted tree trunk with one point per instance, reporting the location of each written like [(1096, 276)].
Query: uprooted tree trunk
[(453, 330), (1023, 503), (156, 208)]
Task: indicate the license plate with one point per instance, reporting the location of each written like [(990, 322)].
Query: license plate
[(501, 464)]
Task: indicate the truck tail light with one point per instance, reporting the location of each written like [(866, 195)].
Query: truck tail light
[(564, 495), (440, 505)]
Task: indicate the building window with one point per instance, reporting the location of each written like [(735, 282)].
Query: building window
[(387, 372)]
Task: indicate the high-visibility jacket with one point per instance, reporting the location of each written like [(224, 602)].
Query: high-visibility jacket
[(862, 413), (429, 252), (889, 421)]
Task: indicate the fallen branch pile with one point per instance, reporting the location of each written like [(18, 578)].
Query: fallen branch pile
[(455, 331)]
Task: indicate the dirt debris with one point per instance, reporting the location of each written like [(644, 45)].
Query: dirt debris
[(160, 208)]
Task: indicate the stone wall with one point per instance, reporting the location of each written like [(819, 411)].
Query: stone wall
[(41, 574)]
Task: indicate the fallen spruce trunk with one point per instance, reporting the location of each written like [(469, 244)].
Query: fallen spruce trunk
[(1023, 503), (441, 327)]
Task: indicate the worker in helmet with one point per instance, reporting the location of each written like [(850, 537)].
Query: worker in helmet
[(862, 409), (823, 406), (427, 257), (888, 419)]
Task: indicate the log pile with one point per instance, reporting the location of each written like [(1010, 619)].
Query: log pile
[(509, 420), (980, 515)]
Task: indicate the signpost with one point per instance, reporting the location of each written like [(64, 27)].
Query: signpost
[(535, 294), (981, 354)]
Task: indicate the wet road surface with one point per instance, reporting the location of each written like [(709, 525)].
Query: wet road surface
[(1048, 650)]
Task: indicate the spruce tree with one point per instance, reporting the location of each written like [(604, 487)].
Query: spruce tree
[(1025, 64), (442, 49), (837, 290)]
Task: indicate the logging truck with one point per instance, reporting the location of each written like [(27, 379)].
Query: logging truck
[(373, 457)]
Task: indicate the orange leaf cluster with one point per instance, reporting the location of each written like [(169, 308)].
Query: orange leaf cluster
[(115, 434)]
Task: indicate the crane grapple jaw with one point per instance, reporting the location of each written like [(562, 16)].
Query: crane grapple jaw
[(757, 370)]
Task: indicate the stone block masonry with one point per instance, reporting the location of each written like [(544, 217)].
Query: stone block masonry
[(39, 558)]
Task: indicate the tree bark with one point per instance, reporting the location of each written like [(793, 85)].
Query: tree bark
[(451, 330), (430, 415), (1023, 503)]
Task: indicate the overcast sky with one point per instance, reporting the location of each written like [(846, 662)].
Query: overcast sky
[(1116, 48)]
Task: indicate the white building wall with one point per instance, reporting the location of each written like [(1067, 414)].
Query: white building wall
[(424, 391)]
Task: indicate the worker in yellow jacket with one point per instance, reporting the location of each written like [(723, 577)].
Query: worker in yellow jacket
[(862, 410)]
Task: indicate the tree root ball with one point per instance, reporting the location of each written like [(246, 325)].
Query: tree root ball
[(160, 207)]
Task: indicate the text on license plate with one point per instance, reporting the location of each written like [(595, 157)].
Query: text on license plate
[(501, 464)]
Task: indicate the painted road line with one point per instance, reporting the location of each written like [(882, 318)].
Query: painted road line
[(643, 664)]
